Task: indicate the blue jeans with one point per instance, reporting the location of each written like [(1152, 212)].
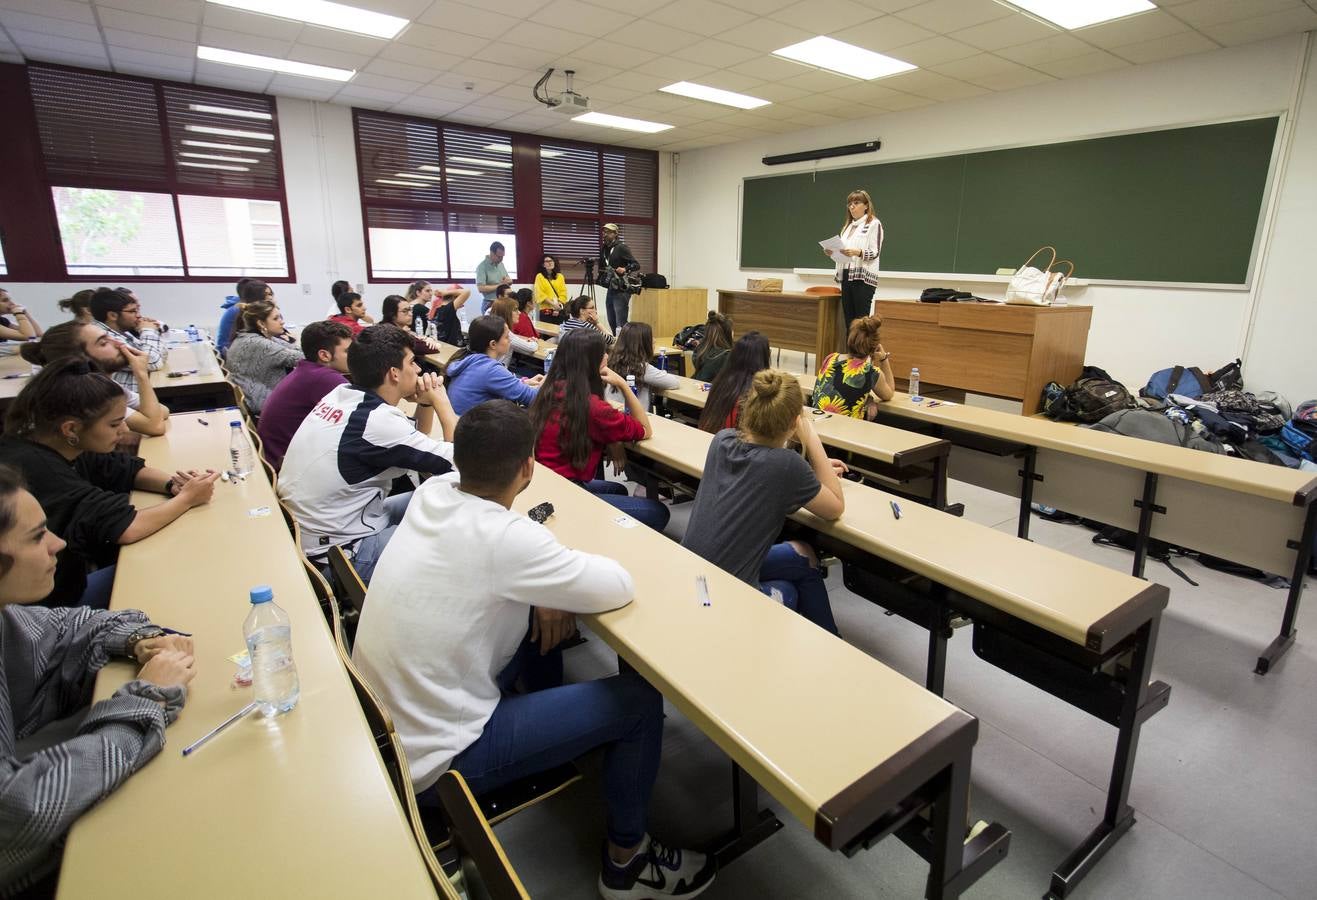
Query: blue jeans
[(619, 308), (643, 510), (533, 732), (800, 584), (369, 549), (99, 585)]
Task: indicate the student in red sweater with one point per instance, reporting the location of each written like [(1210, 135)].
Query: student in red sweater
[(525, 324), (750, 356), (352, 312), (325, 346), (575, 424)]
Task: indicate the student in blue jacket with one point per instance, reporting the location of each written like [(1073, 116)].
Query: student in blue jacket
[(475, 373)]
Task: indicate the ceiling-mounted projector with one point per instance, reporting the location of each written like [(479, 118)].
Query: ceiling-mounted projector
[(568, 102)]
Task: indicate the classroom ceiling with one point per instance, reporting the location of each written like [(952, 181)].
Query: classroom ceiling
[(475, 62)]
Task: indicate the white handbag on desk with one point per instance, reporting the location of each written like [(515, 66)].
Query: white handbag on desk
[(1039, 287)]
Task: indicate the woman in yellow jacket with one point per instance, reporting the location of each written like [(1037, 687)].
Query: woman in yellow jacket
[(550, 290)]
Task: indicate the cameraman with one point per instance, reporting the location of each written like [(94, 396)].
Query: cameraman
[(615, 261)]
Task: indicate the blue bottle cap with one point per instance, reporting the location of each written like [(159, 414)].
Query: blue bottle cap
[(262, 593), (236, 423)]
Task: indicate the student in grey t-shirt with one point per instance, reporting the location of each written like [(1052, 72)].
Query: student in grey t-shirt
[(752, 482)]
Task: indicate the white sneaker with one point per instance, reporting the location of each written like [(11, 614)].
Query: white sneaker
[(656, 871)]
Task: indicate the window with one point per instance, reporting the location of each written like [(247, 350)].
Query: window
[(435, 196), (153, 179)]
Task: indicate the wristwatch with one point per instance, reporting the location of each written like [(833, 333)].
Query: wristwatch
[(145, 633)]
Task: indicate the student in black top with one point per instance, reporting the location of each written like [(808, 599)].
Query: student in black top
[(60, 432), (711, 355), (16, 324)]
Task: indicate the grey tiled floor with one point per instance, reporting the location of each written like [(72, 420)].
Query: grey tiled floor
[(1225, 783)]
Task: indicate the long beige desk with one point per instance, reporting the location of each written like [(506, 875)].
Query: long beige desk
[(1052, 619), (299, 806), (15, 372), (1249, 512), (900, 456), (776, 693)]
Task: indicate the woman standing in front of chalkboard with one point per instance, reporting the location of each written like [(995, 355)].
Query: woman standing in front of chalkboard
[(857, 269)]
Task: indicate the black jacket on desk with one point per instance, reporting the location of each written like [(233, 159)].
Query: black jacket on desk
[(86, 503)]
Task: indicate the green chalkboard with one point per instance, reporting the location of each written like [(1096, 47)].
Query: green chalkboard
[(1176, 205)]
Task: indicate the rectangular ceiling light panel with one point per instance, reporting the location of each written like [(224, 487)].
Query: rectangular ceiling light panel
[(714, 95), (286, 66), (329, 15), (622, 122), (1081, 13), (845, 59)]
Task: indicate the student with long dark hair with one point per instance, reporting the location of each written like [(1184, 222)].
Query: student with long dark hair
[(61, 432), (583, 315), (476, 374), (48, 663), (752, 482), (79, 306), (575, 423), (550, 289), (750, 356), (631, 356), (397, 311), (250, 290), (260, 356), (22, 326), (711, 354)]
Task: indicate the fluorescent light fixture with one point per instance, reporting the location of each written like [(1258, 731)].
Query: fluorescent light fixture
[(218, 158), (1080, 13), (545, 152), (714, 95), (225, 111), (322, 12), (846, 59), (234, 147), (197, 165), (230, 132), (287, 66), (419, 184), (622, 122), (493, 163)]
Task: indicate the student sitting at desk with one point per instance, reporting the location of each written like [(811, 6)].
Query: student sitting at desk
[(61, 431), (444, 310), (397, 311), (506, 309), (229, 310), (476, 374), (120, 314), (631, 356), (346, 453), (854, 383), (48, 661), (323, 367), (78, 306), (16, 323), (752, 482), (750, 356), (583, 315), (260, 356), (351, 312), (575, 423), (525, 325), (711, 355), (442, 631), (146, 414)]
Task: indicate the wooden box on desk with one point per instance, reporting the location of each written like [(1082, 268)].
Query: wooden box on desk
[(669, 310), (987, 348)]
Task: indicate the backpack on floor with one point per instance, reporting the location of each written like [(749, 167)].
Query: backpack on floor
[(1186, 381), (689, 337), (1093, 397), (1228, 377)]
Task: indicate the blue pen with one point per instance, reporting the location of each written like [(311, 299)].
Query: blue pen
[(896, 510), (172, 631)]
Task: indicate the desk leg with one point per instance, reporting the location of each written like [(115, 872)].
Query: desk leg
[(939, 632), (1285, 639), (750, 823), (1147, 506), (1028, 476), (1142, 700), (949, 814), (939, 492)]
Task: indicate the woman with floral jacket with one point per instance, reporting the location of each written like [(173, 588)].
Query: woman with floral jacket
[(854, 383)]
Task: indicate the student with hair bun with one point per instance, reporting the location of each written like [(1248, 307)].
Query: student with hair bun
[(260, 356), (750, 356), (61, 432), (712, 353), (79, 306), (752, 482), (854, 383)]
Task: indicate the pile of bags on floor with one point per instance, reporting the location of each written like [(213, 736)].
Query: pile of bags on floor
[(1184, 406)]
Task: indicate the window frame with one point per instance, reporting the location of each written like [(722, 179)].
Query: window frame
[(171, 185)]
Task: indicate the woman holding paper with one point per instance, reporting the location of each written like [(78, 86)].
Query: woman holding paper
[(857, 260)]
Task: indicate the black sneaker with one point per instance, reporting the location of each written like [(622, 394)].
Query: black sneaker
[(656, 871)]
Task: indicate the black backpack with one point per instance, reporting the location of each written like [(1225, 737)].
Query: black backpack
[(654, 280), (1092, 398), (944, 295), (689, 337)]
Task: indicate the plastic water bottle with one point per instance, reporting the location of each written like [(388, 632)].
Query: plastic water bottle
[(269, 636), (663, 360), (431, 330), (548, 361), (241, 457), (630, 383), (914, 385), (192, 334), (202, 350), (418, 325)]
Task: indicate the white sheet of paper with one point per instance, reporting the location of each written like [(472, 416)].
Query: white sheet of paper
[(833, 247)]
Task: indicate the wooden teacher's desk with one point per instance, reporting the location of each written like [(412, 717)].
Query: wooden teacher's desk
[(297, 806), (987, 348), (811, 323)]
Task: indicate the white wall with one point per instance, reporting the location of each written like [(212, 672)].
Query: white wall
[(1135, 330)]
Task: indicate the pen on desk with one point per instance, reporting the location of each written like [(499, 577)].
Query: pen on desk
[(702, 590), (896, 510), (203, 421), (236, 717), (179, 633)]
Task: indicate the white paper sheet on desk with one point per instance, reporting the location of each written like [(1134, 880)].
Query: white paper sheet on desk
[(833, 247)]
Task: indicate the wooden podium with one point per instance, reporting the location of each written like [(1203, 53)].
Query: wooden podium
[(987, 348), (669, 310), (794, 321)]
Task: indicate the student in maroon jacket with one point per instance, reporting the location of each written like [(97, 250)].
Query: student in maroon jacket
[(325, 346)]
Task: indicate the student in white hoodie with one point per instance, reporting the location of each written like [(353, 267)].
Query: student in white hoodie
[(449, 618)]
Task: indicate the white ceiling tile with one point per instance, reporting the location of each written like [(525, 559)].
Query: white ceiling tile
[(12, 57), (653, 37), (767, 68), (486, 70), (611, 54), (588, 73), (321, 57), (473, 115), (407, 55), (814, 120), (1061, 46), (405, 9), (882, 34), (869, 92), (699, 112), (304, 88), (243, 22), (673, 69), (353, 92), (582, 18), (1088, 64), (421, 106), (446, 93), (513, 9), (1166, 47), (909, 101), (891, 6), (1008, 32), (711, 50), (182, 10), (779, 93), (1263, 27), (758, 7), (67, 10), (934, 85), (727, 80), (400, 86), (636, 8), (83, 60), (640, 81), (1010, 79), (508, 106), (340, 41), (175, 65), (817, 80), (22, 21), (1219, 12), (30, 41), (154, 25), (245, 43), (707, 16), (153, 70), (825, 15), (1132, 29), (943, 16), (232, 76), (387, 68), (819, 103), (544, 38), (932, 52), (766, 35), (447, 14), (150, 43), (446, 43), (976, 66), (601, 93), (662, 103)]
